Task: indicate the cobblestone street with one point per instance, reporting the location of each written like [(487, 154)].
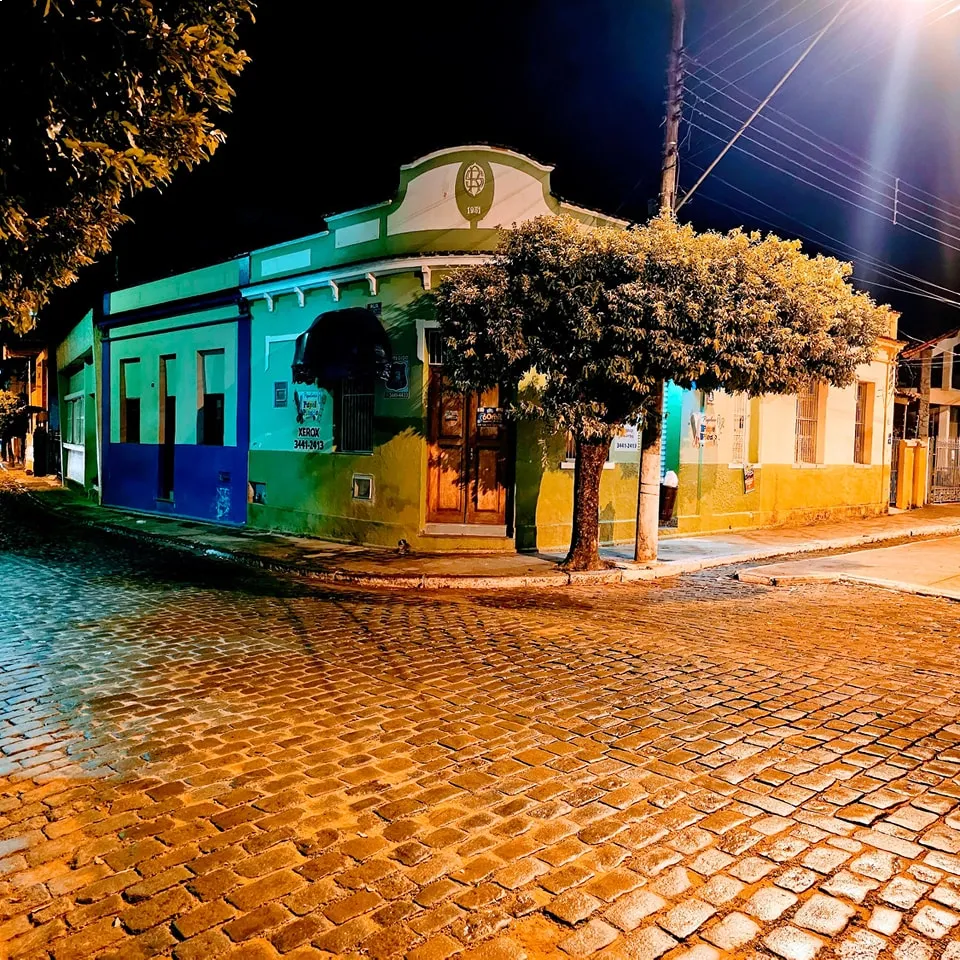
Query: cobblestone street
[(200, 761)]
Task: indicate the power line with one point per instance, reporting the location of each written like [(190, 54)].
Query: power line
[(906, 188), (708, 197), (915, 293), (837, 196), (733, 29), (762, 29), (898, 202), (884, 41), (810, 130), (869, 259), (792, 149)]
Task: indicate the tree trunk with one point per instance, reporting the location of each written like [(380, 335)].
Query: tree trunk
[(648, 495), (585, 543)]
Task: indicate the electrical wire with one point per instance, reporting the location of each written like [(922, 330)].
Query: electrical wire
[(862, 161), (885, 41), (765, 27), (837, 196), (906, 189), (867, 258), (729, 206), (734, 29), (898, 203), (906, 287)]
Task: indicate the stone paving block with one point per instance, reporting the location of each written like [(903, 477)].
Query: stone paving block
[(885, 920), (862, 945), (256, 922), (648, 944), (671, 883), (792, 944), (769, 903), (903, 892), (752, 869), (878, 864), (850, 886), (573, 906), (947, 892), (733, 931), (934, 922), (823, 914), (912, 949), (796, 879), (688, 916), (824, 859), (700, 952), (628, 912), (590, 938), (437, 948), (720, 889)]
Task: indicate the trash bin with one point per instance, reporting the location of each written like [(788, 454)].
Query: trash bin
[(668, 496)]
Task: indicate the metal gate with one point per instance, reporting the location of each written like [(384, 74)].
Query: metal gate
[(945, 475)]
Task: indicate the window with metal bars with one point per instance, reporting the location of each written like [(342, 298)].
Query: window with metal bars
[(435, 346), (808, 416), (354, 419), (739, 453), (861, 453)]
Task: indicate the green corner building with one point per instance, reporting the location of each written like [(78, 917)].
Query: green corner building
[(377, 460)]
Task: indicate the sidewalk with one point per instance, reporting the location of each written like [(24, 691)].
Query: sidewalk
[(925, 567), (368, 566)]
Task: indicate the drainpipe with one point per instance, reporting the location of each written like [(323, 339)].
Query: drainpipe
[(891, 375)]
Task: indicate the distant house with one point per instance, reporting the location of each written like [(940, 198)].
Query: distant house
[(939, 360), (928, 407), (28, 372)]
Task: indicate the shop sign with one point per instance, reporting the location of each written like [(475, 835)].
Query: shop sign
[(627, 440), (749, 480), (489, 416), (398, 379), (306, 432), (705, 430)]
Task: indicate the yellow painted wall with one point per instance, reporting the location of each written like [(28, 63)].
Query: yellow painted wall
[(545, 494), (712, 497)]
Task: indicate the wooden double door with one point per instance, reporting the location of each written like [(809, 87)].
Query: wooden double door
[(466, 471)]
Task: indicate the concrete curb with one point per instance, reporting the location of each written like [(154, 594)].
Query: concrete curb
[(623, 573), (797, 579)]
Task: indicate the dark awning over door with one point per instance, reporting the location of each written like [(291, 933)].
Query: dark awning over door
[(340, 344)]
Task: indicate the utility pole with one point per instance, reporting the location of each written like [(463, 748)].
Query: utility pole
[(648, 494)]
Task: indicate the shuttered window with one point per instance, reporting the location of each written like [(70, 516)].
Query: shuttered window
[(808, 417)]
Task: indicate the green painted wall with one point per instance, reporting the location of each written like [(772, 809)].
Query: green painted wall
[(78, 358), (184, 339), (220, 276)]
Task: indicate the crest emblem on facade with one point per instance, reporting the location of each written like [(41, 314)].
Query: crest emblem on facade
[(474, 189), (474, 179)]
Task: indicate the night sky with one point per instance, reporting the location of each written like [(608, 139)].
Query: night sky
[(338, 96)]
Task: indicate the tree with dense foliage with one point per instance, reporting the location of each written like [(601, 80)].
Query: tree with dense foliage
[(590, 322), (101, 99)]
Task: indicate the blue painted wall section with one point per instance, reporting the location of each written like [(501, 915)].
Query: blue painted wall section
[(209, 481)]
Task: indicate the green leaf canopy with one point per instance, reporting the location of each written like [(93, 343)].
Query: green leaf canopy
[(586, 323)]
